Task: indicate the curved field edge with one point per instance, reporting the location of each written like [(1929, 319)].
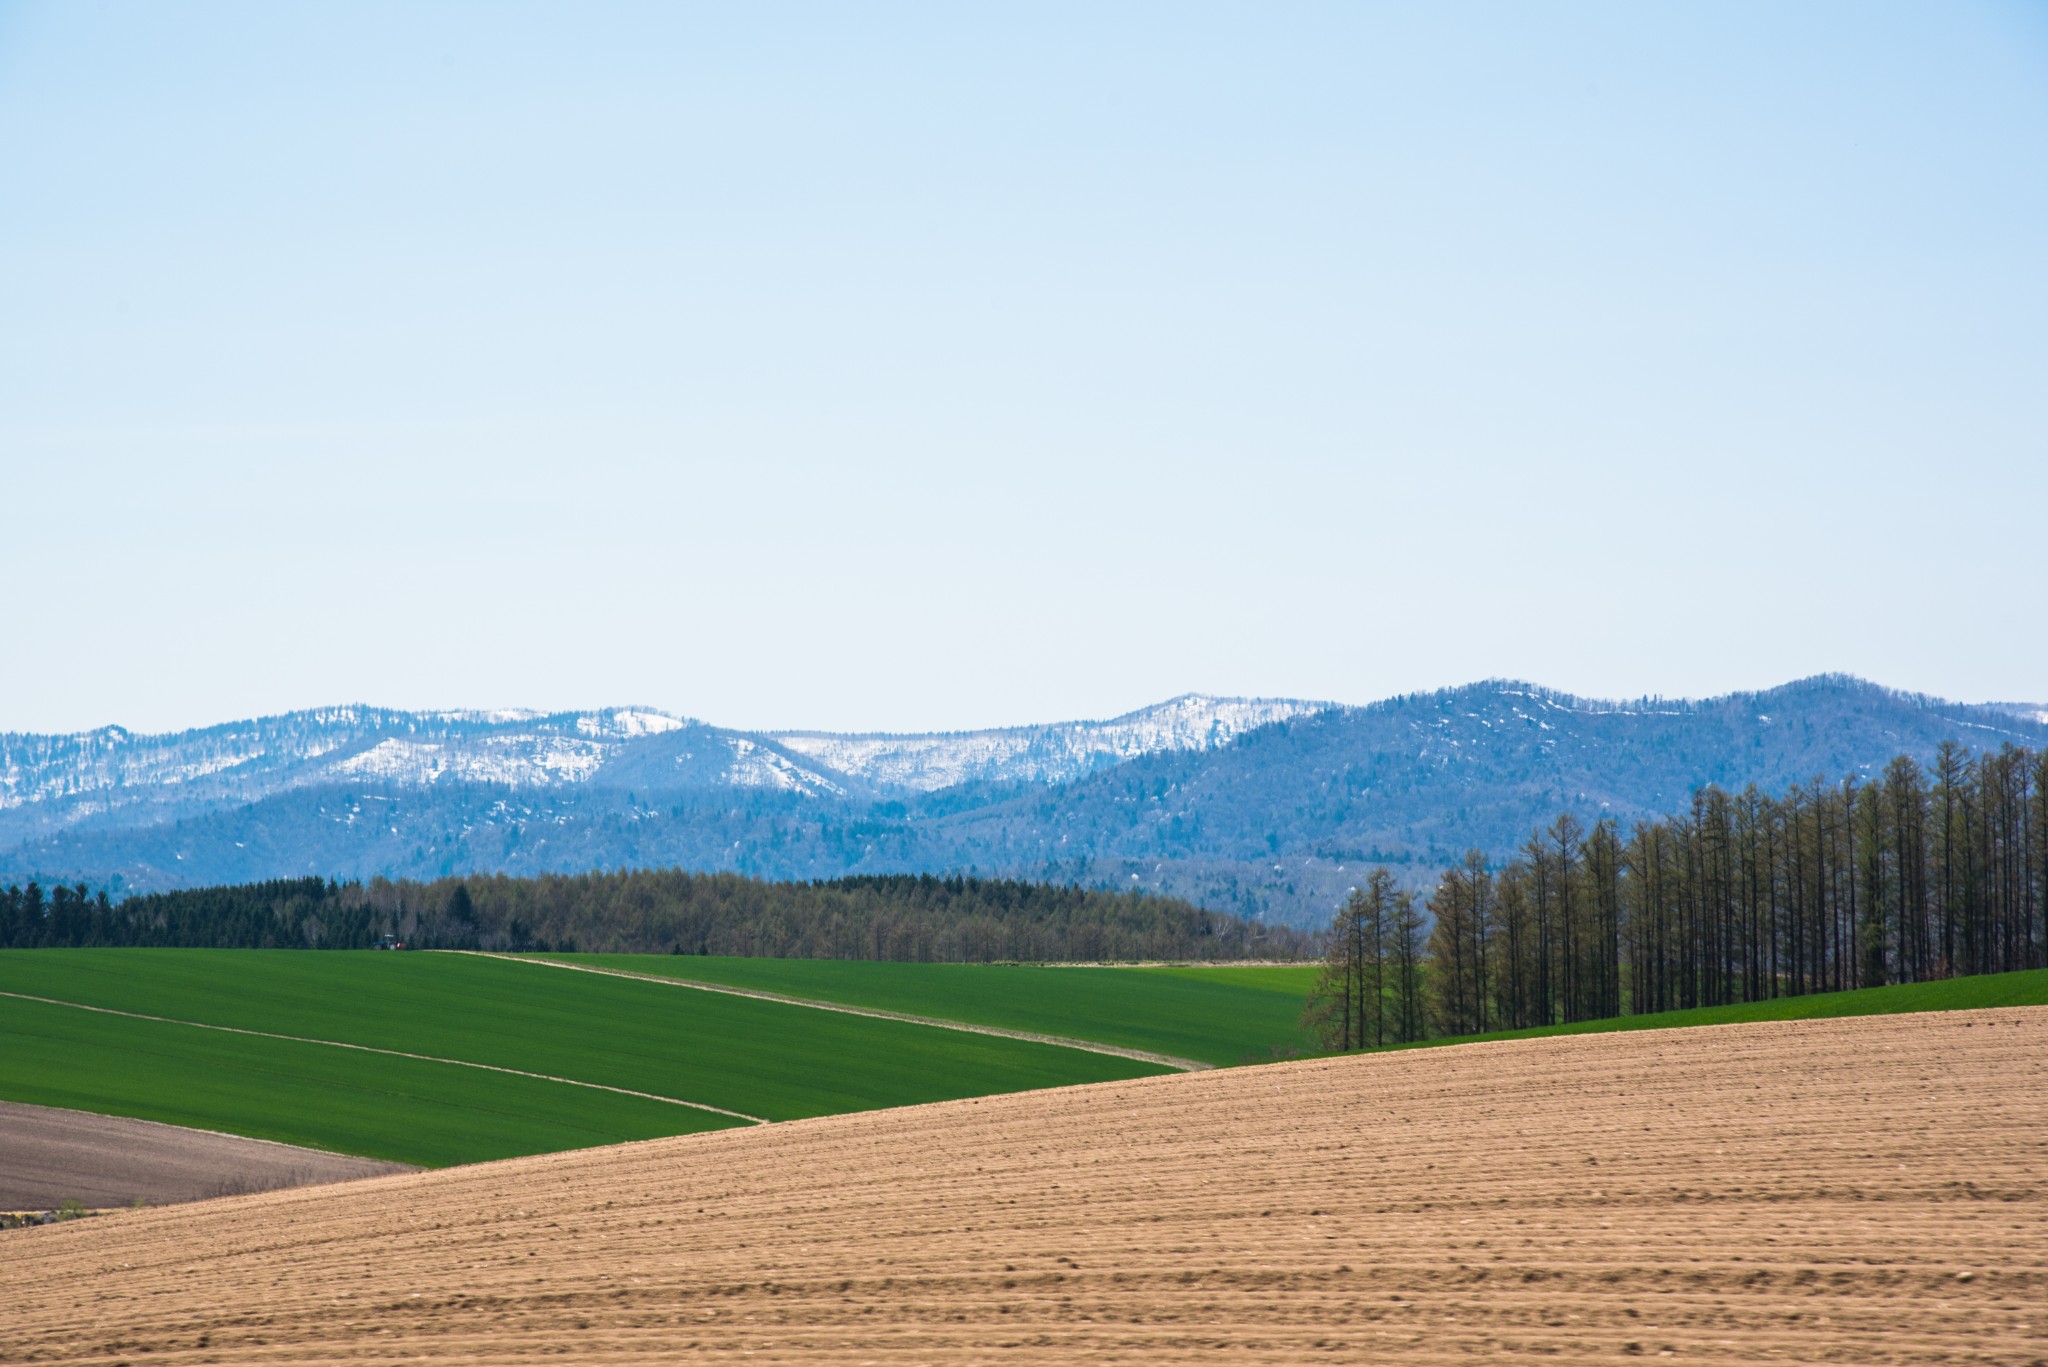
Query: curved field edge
[(50, 1156), (1221, 1015), (309, 1095), (758, 1058), (2028, 987)]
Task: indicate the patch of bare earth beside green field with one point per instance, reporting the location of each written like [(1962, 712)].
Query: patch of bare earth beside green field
[(50, 1157)]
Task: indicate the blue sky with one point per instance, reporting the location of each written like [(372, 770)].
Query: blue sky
[(935, 366)]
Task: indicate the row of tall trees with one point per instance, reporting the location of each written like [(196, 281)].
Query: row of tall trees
[(1922, 872), (903, 918), (1370, 990)]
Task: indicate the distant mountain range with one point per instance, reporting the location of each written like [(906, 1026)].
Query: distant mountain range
[(1267, 807)]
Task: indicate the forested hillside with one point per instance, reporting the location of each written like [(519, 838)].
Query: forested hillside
[(1276, 822), (1914, 875), (911, 919), (1416, 781)]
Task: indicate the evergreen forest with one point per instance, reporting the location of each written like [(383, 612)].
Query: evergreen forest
[(903, 918)]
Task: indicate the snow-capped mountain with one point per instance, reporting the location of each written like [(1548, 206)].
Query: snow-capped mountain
[(50, 782), (112, 766), (1040, 754), (1264, 807)]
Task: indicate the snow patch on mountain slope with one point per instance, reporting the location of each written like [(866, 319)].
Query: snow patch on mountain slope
[(1041, 754), (248, 759), (755, 766), (625, 723), (519, 761), (46, 768)]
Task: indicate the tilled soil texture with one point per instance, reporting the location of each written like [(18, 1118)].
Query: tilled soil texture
[(1869, 1190), (49, 1156)]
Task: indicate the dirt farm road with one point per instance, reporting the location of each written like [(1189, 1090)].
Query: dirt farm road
[(1866, 1190)]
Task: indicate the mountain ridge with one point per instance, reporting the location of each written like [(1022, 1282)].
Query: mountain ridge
[(1265, 807)]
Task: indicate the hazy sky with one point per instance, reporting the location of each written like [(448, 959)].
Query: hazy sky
[(863, 366)]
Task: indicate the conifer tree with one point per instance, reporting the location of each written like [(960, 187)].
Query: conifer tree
[(1404, 943), (1347, 1007)]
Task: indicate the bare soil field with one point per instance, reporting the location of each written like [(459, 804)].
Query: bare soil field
[(1859, 1190), (49, 1156)]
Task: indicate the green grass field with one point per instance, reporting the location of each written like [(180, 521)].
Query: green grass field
[(763, 1059), (2029, 988), (1215, 1015), (378, 1107)]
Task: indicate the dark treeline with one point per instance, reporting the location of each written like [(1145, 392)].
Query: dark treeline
[(1922, 873), (902, 918)]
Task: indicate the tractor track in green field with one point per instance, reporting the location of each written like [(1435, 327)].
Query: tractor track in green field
[(393, 1053), (1185, 1065)]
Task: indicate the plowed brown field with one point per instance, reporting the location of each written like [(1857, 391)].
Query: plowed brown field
[(1870, 1190), (48, 1156)]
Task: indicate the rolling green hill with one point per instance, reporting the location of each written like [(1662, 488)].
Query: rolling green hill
[(761, 1059), (1218, 1015), (373, 1105)]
